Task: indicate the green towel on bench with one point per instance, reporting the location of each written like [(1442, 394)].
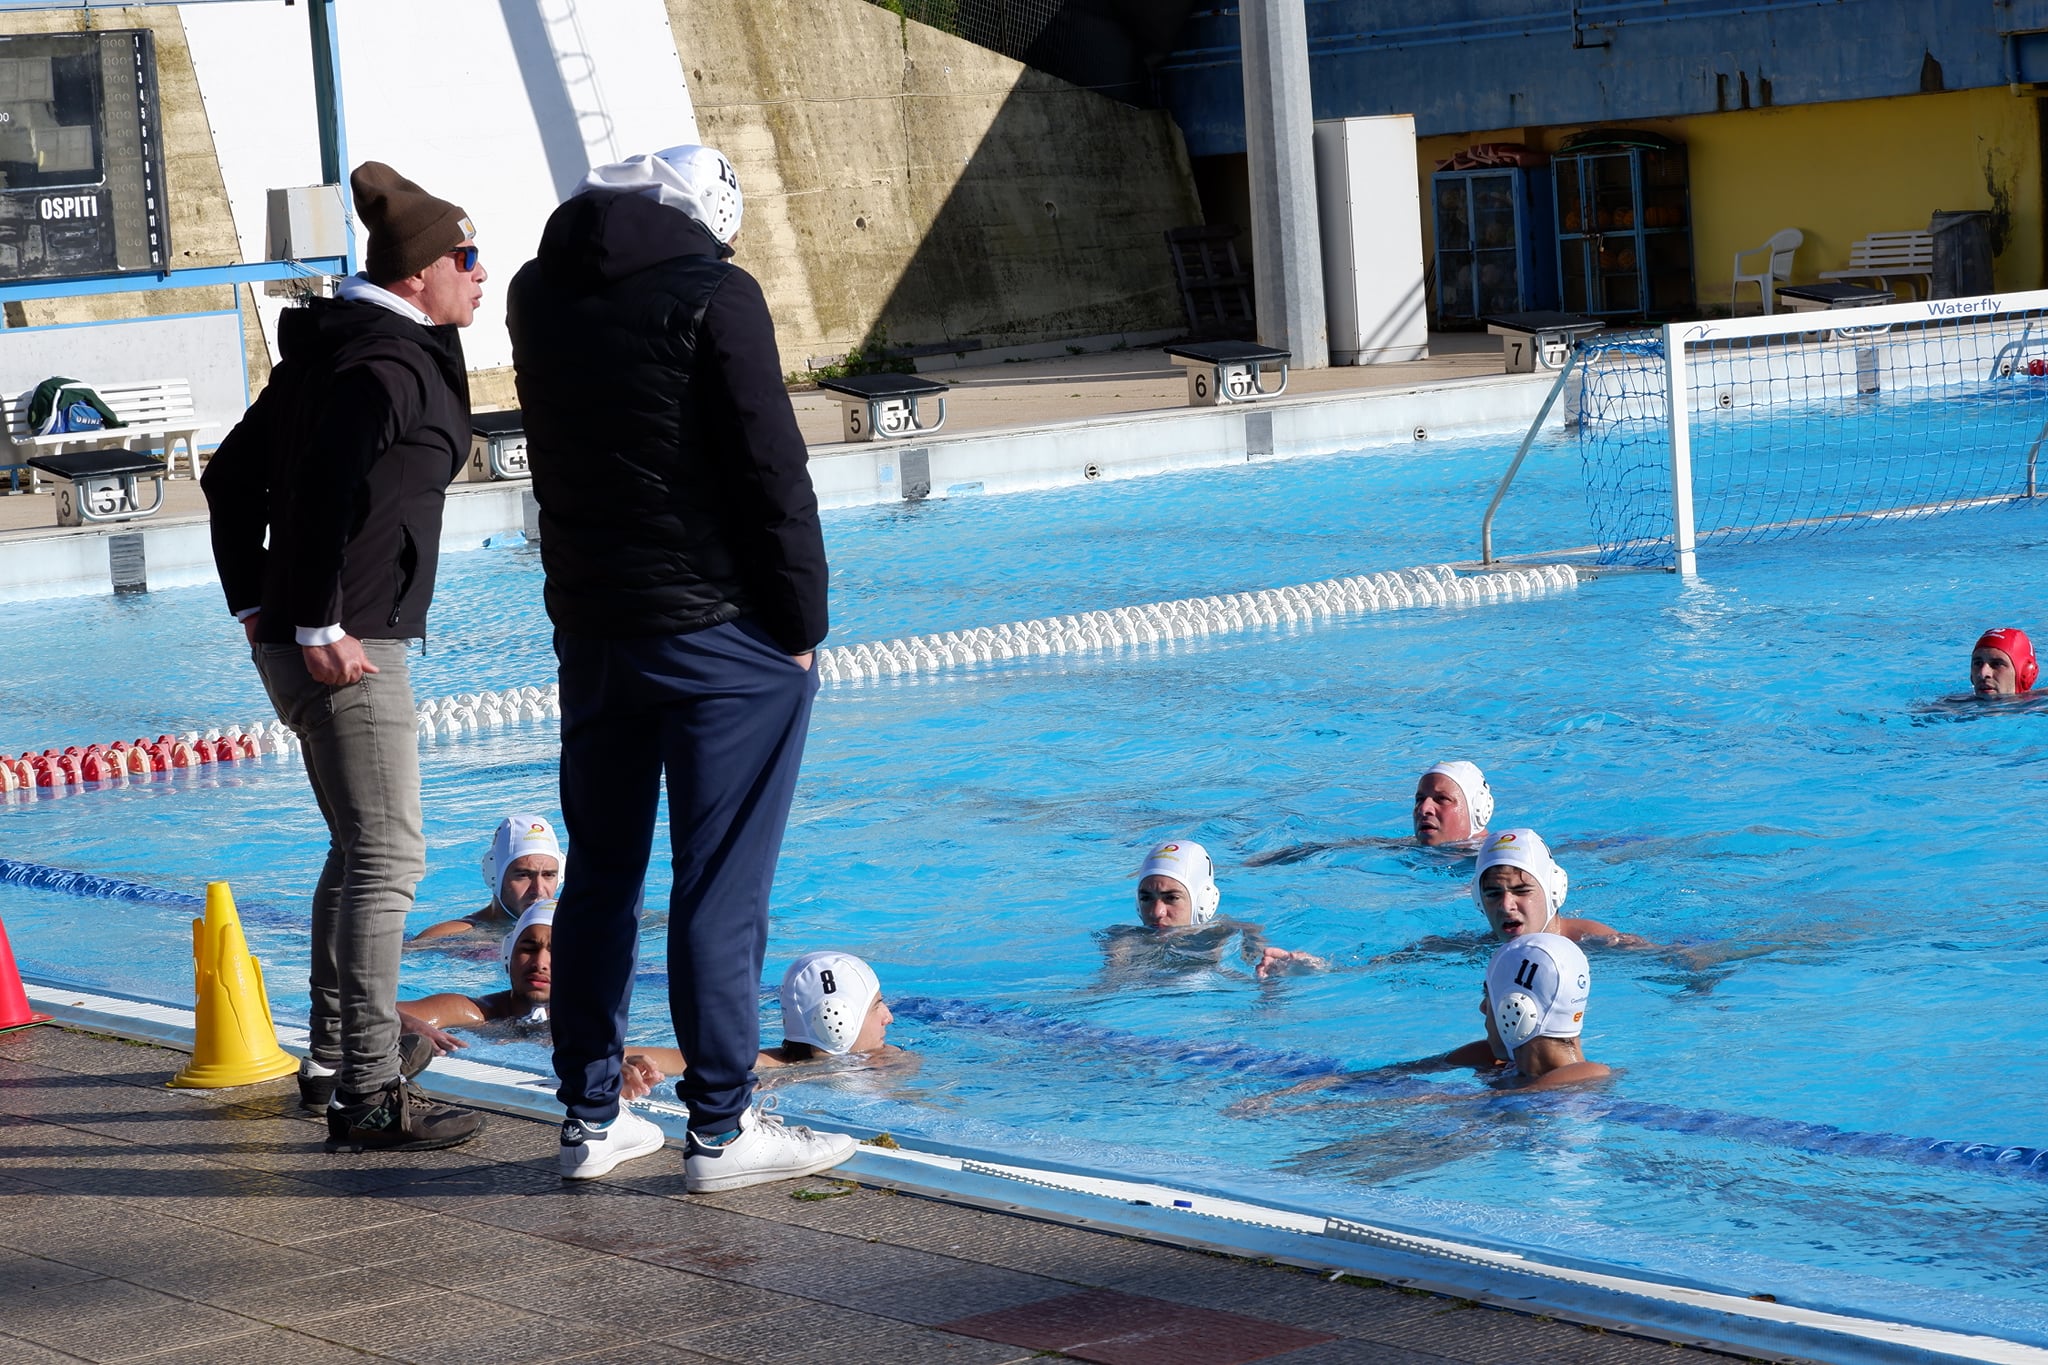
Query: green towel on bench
[(55, 396)]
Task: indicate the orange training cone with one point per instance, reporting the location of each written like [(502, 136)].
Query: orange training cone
[(235, 1043), (14, 1010)]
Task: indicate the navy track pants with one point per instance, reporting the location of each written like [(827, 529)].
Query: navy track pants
[(722, 713)]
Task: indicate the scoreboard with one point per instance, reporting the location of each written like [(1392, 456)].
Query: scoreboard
[(81, 156)]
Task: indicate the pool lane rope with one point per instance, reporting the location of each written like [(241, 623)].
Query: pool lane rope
[(1287, 1066), (1187, 618)]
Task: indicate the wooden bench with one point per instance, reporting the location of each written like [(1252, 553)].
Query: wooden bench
[(1885, 256), (1228, 371), (158, 414)]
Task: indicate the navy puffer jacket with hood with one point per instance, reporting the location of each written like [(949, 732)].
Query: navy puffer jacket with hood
[(673, 484)]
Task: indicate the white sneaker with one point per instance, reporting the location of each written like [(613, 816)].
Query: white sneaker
[(766, 1149), (589, 1150)]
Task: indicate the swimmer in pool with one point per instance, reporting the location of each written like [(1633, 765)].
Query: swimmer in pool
[(1452, 805), (522, 869), (831, 1006), (1177, 900), (2003, 664), (1537, 987), (1542, 982), (1520, 888)]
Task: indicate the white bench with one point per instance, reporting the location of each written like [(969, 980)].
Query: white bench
[(158, 414), (1884, 256)]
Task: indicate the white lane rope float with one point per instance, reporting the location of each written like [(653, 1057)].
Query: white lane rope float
[(1188, 618)]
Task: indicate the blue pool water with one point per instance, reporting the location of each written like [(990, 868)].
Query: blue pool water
[(1752, 769)]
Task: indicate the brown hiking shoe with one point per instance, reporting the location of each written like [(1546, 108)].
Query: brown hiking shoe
[(400, 1118)]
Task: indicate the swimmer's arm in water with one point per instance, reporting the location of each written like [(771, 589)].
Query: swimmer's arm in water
[(450, 928), (1268, 961), (1604, 935), (432, 1016)]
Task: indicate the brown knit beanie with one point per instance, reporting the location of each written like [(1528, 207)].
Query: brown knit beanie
[(409, 228)]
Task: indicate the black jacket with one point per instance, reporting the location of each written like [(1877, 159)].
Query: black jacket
[(345, 459), (674, 487)]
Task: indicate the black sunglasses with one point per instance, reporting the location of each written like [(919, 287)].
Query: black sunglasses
[(466, 255)]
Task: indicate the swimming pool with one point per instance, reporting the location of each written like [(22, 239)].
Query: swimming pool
[(1750, 767)]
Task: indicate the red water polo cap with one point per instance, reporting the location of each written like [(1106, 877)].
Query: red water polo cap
[(2017, 647)]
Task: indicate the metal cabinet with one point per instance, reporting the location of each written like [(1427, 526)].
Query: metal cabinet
[(1624, 228), (1495, 242)]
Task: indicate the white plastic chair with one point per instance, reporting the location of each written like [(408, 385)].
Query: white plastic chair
[(1781, 247)]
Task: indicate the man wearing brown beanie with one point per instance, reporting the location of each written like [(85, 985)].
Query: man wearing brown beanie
[(343, 464)]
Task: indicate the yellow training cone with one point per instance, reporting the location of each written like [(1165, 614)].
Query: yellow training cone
[(235, 1042)]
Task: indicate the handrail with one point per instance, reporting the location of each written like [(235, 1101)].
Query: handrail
[(1486, 526)]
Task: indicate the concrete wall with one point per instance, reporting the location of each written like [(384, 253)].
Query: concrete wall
[(906, 183), (202, 234), (1837, 172), (899, 181)]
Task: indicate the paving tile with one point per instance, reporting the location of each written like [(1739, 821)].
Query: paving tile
[(1284, 1294), (449, 1326), (645, 1353), (308, 1299), (265, 1346), (18, 1351), (452, 1253), (40, 1313), (1484, 1336), (24, 1273), (1352, 1352), (142, 1332), (932, 1299), (814, 1336), (1127, 1329), (642, 1299)]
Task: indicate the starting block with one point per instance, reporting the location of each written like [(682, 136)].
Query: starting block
[(1229, 371), (1545, 339), (1816, 298), (497, 447), (100, 485), (883, 407)]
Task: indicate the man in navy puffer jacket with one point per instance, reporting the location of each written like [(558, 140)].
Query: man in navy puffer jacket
[(686, 582)]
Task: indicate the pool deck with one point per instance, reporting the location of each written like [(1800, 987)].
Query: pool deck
[(138, 1222), (1022, 393)]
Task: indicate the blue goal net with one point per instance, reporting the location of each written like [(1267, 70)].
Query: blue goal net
[(1800, 425)]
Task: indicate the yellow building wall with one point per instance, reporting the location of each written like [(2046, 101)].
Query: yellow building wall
[(1836, 172)]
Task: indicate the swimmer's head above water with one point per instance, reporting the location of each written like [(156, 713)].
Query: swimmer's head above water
[(833, 1002), (529, 959), (524, 866), (1452, 804), (1537, 987), (1518, 886), (2003, 663), (1177, 886)]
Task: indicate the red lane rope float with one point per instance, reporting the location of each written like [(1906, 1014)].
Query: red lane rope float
[(56, 770)]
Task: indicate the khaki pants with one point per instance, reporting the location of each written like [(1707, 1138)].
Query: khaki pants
[(362, 756)]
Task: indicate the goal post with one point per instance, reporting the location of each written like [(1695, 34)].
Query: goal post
[(1697, 436)]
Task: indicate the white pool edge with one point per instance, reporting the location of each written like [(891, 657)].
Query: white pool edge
[(1611, 1300)]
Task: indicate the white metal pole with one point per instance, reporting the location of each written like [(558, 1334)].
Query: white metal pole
[(1678, 409)]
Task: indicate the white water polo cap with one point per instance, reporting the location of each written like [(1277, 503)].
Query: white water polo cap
[(826, 998), (1523, 848), (697, 180), (1537, 986), (540, 912), (520, 836), (1189, 864), (1471, 784)]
